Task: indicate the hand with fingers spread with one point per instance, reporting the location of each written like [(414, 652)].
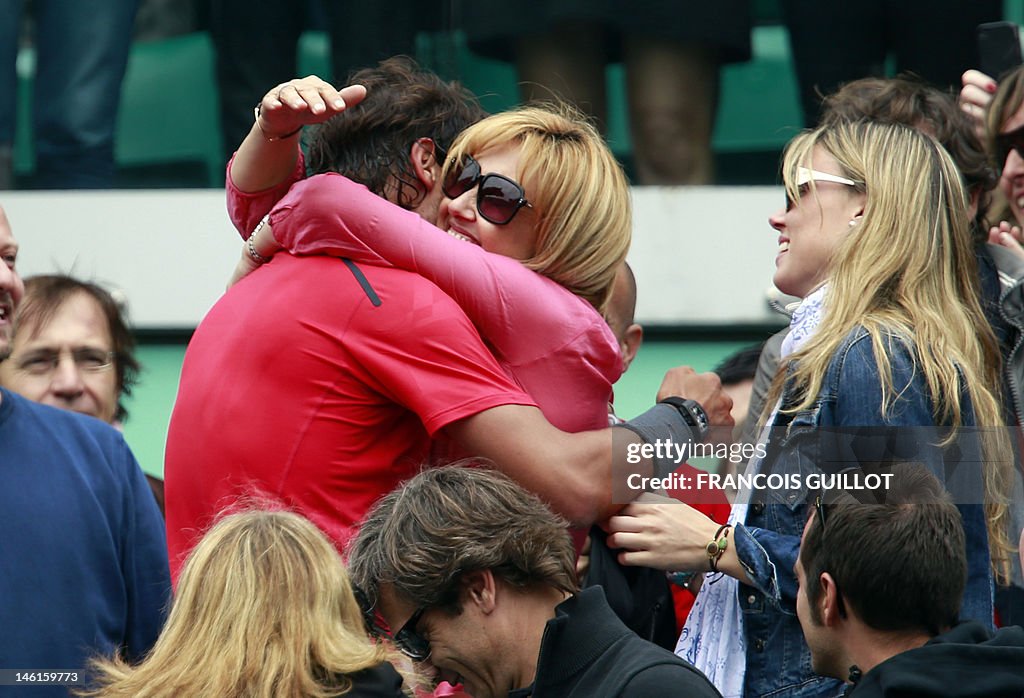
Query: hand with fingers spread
[(286, 108), (1008, 236), (975, 98)]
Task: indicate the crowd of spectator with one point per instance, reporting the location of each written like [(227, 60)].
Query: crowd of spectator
[(394, 465)]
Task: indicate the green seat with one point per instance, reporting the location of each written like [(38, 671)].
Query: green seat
[(169, 107), (1013, 11), (314, 57), (24, 157), (169, 111), (759, 106)]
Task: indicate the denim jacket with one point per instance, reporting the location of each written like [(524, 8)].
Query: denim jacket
[(778, 659)]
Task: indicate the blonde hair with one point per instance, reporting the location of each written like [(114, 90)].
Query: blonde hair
[(575, 185), (907, 273), (264, 609)]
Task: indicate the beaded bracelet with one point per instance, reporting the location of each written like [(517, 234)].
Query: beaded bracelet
[(717, 545), (256, 256)]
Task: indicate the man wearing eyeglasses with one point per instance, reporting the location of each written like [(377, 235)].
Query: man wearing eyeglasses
[(476, 576), (71, 349), (880, 588), (83, 563)]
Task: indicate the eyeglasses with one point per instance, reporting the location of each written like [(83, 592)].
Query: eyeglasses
[(1005, 142), (498, 198), (408, 641), (805, 176), (45, 362)]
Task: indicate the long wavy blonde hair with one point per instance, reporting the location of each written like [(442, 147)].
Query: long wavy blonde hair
[(264, 609), (908, 271), (574, 183)]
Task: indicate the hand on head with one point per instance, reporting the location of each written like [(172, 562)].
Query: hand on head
[(303, 101)]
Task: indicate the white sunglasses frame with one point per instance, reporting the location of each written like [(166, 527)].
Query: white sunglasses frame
[(805, 175)]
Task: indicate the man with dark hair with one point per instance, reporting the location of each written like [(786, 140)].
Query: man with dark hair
[(322, 382), (393, 143), (880, 587), (63, 314), (478, 575), (72, 349)]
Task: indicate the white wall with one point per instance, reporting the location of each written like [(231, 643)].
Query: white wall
[(702, 255)]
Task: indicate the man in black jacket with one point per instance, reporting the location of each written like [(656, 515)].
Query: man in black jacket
[(879, 600), (471, 570)]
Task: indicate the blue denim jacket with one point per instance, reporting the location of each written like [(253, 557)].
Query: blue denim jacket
[(778, 659)]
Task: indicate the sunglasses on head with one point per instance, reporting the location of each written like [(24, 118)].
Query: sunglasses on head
[(805, 176), (819, 509), (498, 198), (1006, 142)]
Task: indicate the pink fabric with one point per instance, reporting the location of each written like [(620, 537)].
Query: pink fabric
[(296, 387), (246, 209), (553, 343)]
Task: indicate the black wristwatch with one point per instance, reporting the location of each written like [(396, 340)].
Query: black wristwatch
[(692, 413)]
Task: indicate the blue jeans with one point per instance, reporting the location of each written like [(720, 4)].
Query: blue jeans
[(81, 54)]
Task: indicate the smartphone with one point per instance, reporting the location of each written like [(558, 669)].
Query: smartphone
[(998, 48)]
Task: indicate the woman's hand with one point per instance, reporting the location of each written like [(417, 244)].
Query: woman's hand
[(660, 532), (1008, 236), (303, 101), (975, 97)]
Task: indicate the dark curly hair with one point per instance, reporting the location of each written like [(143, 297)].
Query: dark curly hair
[(370, 142)]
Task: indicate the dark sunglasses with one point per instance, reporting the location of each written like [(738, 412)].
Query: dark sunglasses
[(1005, 142), (407, 640), (498, 198)]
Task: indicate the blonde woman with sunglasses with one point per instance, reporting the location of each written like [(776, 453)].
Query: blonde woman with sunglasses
[(889, 343), (535, 221)]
